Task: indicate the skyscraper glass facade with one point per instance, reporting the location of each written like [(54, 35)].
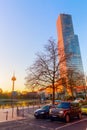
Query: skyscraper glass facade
[(69, 44)]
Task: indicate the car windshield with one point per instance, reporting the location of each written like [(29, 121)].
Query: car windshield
[(64, 105), (45, 107), (79, 99), (57, 100)]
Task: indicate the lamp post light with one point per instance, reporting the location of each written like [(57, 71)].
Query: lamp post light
[(13, 82)]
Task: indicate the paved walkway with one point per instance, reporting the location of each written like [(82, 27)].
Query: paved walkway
[(14, 114), (9, 114)]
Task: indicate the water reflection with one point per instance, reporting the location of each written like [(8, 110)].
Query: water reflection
[(9, 103)]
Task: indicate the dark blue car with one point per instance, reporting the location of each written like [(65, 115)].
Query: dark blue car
[(43, 112)]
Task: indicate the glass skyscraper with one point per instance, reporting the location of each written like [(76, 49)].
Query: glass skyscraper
[(68, 44)]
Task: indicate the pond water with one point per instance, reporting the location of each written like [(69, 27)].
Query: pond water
[(7, 103)]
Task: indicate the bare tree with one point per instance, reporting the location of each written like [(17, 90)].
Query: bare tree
[(75, 79), (45, 70)]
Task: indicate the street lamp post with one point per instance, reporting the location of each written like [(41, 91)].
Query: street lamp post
[(33, 95)]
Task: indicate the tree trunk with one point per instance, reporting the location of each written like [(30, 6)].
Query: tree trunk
[(53, 97)]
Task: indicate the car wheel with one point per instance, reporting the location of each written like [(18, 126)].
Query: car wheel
[(36, 117), (80, 115), (47, 116), (67, 118), (51, 118)]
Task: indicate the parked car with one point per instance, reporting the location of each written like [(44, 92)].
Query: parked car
[(84, 109), (79, 100), (43, 112), (57, 102), (66, 110)]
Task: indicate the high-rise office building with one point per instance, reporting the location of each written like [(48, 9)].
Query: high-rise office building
[(68, 44)]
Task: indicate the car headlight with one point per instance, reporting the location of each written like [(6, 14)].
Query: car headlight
[(61, 112), (42, 112)]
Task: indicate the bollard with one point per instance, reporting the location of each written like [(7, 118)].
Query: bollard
[(7, 115), (33, 105), (28, 108), (23, 111), (12, 111), (17, 111)]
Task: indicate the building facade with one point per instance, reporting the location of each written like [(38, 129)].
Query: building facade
[(68, 45)]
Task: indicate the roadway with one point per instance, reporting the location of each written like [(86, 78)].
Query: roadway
[(30, 123)]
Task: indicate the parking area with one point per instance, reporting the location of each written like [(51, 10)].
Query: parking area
[(31, 123), (27, 121)]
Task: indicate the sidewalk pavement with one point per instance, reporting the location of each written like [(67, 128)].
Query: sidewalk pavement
[(11, 114), (8, 115)]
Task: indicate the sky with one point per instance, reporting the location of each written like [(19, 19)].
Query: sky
[(26, 26)]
